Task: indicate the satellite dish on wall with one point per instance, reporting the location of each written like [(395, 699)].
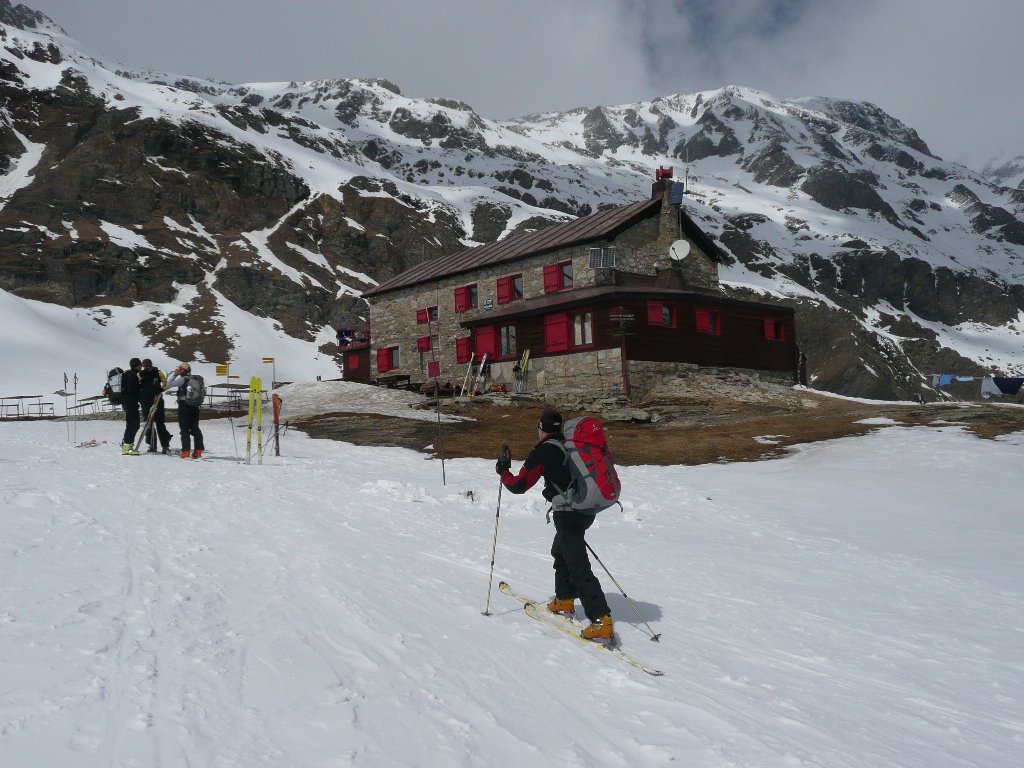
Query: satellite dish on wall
[(679, 250)]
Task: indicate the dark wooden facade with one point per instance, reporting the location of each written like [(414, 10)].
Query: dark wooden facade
[(745, 335), (355, 360)]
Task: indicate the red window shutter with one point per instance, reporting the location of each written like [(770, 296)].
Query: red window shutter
[(552, 278), (423, 343), (434, 369), (773, 329), (383, 360), (462, 299), (421, 316), (352, 361), (504, 290), (703, 321), (462, 350), (486, 341), (556, 333), (654, 316)]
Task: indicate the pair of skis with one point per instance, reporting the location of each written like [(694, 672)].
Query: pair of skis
[(149, 423), (520, 374), (255, 413), (571, 628)]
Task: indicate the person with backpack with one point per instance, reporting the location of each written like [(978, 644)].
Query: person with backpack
[(574, 576), (153, 382), (188, 409), (130, 395)]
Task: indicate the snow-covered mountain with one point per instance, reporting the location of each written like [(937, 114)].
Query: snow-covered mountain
[(177, 206), (1005, 171)]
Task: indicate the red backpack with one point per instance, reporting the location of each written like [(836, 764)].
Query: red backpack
[(595, 483)]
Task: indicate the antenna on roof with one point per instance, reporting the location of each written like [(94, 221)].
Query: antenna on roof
[(686, 172)]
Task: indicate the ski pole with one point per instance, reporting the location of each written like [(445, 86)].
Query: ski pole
[(654, 637), (506, 455)]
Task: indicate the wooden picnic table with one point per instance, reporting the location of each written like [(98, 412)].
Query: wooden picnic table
[(22, 407)]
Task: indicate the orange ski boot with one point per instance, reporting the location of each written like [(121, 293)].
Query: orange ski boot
[(602, 629), (565, 607)]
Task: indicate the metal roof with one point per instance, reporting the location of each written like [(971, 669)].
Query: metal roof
[(575, 232)]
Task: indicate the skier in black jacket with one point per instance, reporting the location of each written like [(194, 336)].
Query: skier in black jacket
[(130, 394), (152, 385), (574, 576)]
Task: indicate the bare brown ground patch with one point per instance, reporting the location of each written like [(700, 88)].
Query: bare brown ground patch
[(690, 431)]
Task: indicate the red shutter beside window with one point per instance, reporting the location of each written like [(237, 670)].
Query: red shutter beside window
[(774, 330), (383, 360), (423, 343), (654, 316), (462, 350), (703, 321), (486, 341), (556, 333), (352, 361), (552, 278), (434, 369), (421, 316), (462, 299), (504, 290)]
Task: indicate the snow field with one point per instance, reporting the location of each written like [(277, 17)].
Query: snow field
[(857, 604)]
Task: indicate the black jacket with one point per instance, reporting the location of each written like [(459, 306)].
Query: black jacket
[(131, 387), (546, 460), (151, 384)]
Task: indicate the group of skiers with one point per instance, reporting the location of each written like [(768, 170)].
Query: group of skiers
[(142, 388)]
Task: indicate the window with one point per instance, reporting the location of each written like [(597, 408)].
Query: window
[(387, 359), (582, 330), (463, 350), (507, 341), (661, 313), (563, 331), (510, 288), (427, 315), (557, 277), (466, 298), (602, 258), (774, 329), (427, 343), (708, 322)]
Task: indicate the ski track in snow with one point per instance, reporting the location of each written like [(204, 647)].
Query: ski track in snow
[(324, 609)]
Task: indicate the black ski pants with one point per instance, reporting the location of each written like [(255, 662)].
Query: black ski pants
[(573, 574), (188, 422), (132, 419)]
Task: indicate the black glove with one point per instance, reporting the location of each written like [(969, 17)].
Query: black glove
[(504, 464)]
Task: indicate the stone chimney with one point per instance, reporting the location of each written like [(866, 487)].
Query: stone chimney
[(668, 227), (697, 271)]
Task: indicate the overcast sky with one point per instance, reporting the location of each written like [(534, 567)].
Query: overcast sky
[(951, 69)]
